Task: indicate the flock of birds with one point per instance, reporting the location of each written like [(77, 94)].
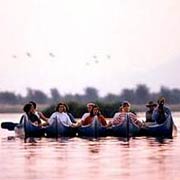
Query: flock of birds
[(29, 55), (94, 60)]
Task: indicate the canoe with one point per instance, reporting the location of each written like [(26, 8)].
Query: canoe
[(95, 129), (57, 129), (159, 130), (127, 129)]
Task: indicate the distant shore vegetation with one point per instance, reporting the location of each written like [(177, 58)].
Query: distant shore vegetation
[(138, 97)]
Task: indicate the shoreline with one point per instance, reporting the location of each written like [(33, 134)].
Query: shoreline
[(18, 108)]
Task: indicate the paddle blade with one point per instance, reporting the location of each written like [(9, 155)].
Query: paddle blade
[(8, 125)]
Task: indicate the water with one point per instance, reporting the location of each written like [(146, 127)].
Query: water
[(83, 159)]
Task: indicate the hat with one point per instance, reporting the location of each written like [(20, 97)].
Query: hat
[(90, 104), (150, 104)]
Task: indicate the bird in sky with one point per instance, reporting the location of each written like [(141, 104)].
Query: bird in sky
[(51, 54), (108, 56), (14, 56), (28, 54)]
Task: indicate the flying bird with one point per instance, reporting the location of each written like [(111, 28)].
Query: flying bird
[(51, 54), (14, 56), (28, 54), (96, 61), (108, 56)]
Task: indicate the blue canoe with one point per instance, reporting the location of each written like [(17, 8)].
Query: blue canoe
[(126, 129), (160, 130), (95, 129), (57, 129)]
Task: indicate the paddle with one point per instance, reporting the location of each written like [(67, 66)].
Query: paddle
[(8, 125)]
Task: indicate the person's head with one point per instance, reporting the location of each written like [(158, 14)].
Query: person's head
[(151, 105), (28, 108), (66, 107), (94, 111), (161, 100), (126, 106), (90, 106), (33, 103), (60, 107)]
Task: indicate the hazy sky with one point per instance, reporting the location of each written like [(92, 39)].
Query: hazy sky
[(72, 44)]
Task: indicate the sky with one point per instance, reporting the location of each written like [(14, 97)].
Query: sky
[(74, 44)]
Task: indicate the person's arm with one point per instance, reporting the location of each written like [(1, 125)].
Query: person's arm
[(52, 118), (103, 120), (86, 121), (167, 111), (23, 119), (68, 121), (71, 118), (85, 115), (42, 116), (116, 115)]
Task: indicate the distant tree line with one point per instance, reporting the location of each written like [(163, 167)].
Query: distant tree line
[(139, 95)]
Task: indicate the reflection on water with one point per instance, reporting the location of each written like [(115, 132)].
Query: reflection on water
[(76, 158)]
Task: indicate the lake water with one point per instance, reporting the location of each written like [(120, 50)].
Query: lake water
[(82, 159)]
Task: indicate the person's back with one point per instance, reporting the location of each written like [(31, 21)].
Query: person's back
[(151, 105), (161, 112)]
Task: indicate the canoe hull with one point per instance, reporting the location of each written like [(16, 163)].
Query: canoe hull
[(160, 130), (95, 129), (57, 129), (126, 129)]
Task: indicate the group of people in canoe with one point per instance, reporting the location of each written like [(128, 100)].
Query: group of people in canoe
[(157, 113)]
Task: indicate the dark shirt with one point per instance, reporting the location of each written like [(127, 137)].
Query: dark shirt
[(149, 116), (160, 114), (33, 118)]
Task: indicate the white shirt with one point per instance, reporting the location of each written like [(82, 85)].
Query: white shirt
[(61, 117), (85, 115)]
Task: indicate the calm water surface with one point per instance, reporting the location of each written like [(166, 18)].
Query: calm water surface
[(83, 159)]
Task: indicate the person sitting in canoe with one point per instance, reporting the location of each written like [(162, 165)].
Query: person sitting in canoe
[(89, 108), (161, 112), (39, 114), (66, 110), (95, 113), (62, 117), (122, 116), (29, 115), (151, 105)]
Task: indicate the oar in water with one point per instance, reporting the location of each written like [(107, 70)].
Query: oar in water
[(8, 125)]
